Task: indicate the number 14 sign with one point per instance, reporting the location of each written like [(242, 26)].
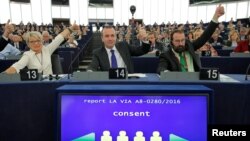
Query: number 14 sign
[(117, 73)]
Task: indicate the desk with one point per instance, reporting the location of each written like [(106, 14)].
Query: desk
[(227, 65), (28, 113), (224, 52)]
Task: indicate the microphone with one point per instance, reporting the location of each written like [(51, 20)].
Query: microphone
[(248, 67), (73, 60), (76, 57)]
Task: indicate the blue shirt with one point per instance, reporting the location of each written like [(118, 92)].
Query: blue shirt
[(9, 50)]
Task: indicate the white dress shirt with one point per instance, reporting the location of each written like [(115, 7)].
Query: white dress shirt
[(120, 62), (40, 61)]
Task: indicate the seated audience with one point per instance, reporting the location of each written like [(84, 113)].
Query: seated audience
[(233, 39), (128, 38), (141, 34), (46, 38), (155, 45), (243, 33), (190, 36), (223, 31), (244, 46), (17, 42), (216, 40), (71, 41), (230, 25), (8, 29), (206, 46), (166, 38)]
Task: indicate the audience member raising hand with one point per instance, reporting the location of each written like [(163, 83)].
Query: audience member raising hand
[(8, 29)]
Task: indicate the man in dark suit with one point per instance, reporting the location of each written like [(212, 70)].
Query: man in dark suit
[(8, 29), (17, 42), (155, 45), (46, 38), (181, 54), (102, 59)]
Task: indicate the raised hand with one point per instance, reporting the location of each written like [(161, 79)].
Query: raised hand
[(75, 27), (219, 12), (8, 29)]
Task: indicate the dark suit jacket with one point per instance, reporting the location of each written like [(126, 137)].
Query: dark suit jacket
[(229, 43), (136, 42), (219, 41), (3, 43), (100, 60), (168, 60), (160, 46)]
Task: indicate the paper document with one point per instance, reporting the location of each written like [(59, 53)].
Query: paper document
[(225, 78), (137, 75)]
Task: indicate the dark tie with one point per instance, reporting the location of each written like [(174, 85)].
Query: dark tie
[(113, 59), (183, 63)]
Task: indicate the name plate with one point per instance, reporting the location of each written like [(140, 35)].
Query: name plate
[(9, 77), (179, 76), (117, 73), (29, 74), (90, 76), (239, 54), (209, 74)]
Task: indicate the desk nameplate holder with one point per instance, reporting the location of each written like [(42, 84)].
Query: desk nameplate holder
[(92, 76), (9, 77), (181, 76), (149, 55), (238, 54), (14, 77)]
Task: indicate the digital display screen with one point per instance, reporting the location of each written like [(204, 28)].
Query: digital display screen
[(126, 117), (200, 2)]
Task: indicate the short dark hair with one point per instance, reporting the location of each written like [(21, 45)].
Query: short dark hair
[(152, 33), (176, 31), (107, 27)]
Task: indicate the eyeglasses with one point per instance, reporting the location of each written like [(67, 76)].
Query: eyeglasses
[(34, 42)]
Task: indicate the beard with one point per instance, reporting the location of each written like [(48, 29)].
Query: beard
[(179, 49)]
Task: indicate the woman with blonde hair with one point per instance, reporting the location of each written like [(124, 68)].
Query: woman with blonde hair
[(233, 39), (39, 56)]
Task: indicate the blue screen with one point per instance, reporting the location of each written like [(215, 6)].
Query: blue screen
[(85, 117)]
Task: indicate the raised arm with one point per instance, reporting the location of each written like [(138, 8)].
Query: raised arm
[(210, 29), (8, 29), (58, 40)]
